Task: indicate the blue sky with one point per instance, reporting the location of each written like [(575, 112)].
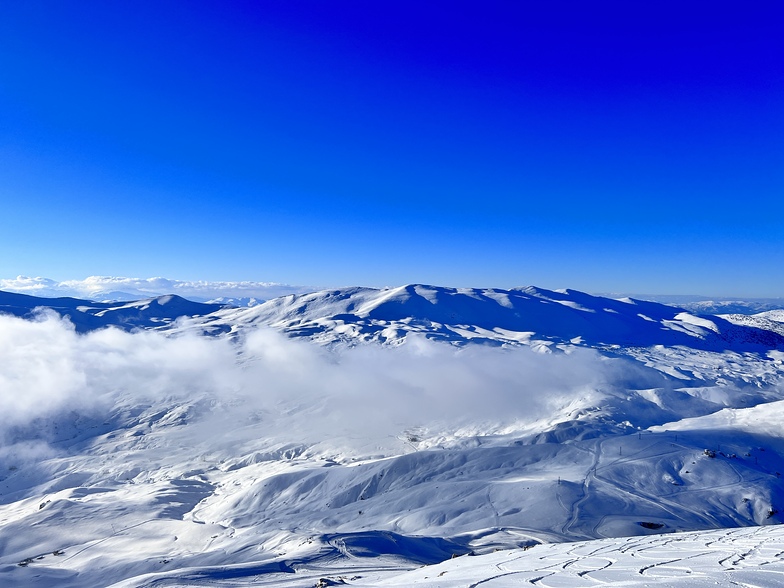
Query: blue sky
[(597, 146)]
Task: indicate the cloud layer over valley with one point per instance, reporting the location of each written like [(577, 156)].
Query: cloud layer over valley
[(299, 392), (129, 450), (120, 288)]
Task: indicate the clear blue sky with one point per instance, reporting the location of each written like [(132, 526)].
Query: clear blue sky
[(600, 146)]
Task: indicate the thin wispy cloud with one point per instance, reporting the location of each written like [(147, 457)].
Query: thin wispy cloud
[(122, 288)]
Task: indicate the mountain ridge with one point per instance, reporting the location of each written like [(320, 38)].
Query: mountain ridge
[(87, 315), (458, 315), (491, 316)]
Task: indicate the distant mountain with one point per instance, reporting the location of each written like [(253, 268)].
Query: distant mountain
[(87, 315), (753, 306), (252, 293), (530, 316), (493, 316), (771, 320), (711, 305)]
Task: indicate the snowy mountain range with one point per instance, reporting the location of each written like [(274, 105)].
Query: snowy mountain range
[(461, 315), (350, 436), (710, 304), (250, 293), (87, 315), (457, 315), (120, 289)]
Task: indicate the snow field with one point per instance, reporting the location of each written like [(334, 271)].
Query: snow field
[(165, 458)]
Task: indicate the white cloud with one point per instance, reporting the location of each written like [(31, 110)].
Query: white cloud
[(290, 390), (118, 288)]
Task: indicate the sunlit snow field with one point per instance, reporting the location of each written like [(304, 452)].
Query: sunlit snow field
[(356, 436)]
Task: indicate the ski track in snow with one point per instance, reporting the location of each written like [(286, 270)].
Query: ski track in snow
[(742, 557)]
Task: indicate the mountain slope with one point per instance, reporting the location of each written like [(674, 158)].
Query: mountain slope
[(126, 501), (154, 455), (87, 315), (771, 320), (490, 316)]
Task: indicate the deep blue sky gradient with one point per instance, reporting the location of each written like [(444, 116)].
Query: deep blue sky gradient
[(596, 146)]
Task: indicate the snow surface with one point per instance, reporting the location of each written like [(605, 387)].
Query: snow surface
[(741, 557), (710, 305), (447, 314), (772, 320), (86, 315), (354, 436)]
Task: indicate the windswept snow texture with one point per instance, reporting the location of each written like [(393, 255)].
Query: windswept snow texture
[(741, 557), (771, 320), (351, 437)]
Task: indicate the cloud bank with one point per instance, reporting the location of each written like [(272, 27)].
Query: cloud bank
[(267, 385), (104, 288)]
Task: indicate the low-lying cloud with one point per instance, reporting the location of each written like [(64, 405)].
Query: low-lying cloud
[(293, 390)]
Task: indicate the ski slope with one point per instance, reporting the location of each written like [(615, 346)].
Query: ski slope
[(739, 557)]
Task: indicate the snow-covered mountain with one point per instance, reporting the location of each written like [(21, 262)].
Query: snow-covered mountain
[(771, 320), (351, 436), (709, 304), (461, 315), (86, 315), (250, 293)]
